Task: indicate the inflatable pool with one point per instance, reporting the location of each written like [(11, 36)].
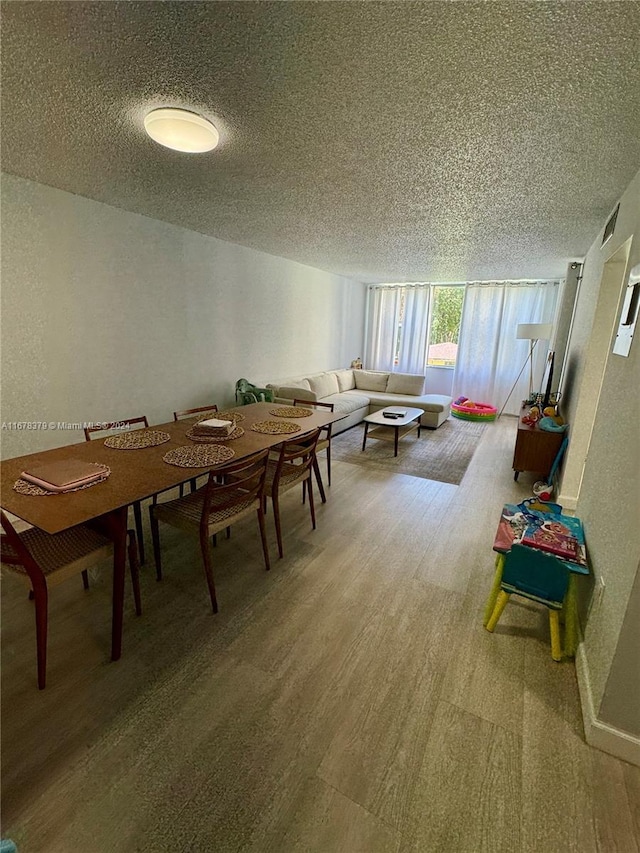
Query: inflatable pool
[(468, 410)]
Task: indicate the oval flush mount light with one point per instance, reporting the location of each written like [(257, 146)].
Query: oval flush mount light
[(181, 130)]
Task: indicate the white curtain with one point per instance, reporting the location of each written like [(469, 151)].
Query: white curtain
[(412, 357), (489, 354), (382, 328)]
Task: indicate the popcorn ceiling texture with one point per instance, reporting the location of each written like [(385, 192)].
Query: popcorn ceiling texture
[(386, 141)]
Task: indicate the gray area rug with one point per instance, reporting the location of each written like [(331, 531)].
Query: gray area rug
[(442, 454)]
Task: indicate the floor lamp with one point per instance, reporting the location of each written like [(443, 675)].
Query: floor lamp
[(532, 332)]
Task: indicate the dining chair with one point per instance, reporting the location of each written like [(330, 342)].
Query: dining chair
[(539, 577), (91, 432), (293, 466), (44, 560), (324, 442), (189, 413), (233, 491)]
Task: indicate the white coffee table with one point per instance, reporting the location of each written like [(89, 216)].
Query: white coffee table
[(392, 429)]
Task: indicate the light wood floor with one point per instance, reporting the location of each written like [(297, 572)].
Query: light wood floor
[(349, 700)]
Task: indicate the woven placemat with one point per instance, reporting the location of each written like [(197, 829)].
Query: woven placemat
[(222, 416), (202, 456), (275, 427), (236, 432), (137, 439), (24, 487), (291, 412)]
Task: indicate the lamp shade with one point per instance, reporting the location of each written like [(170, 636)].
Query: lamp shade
[(534, 331)]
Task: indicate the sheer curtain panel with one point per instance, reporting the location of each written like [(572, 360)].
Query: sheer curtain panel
[(489, 354), (382, 328), (412, 355)]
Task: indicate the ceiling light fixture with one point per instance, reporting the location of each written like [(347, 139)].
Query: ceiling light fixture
[(181, 130)]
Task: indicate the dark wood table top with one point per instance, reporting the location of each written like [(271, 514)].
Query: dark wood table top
[(135, 474)]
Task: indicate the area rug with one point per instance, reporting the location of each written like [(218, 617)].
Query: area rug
[(442, 454)]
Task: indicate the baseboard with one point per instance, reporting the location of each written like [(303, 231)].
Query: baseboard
[(568, 502), (598, 734)]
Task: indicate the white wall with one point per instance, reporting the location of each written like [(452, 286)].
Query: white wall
[(108, 314), (603, 466)]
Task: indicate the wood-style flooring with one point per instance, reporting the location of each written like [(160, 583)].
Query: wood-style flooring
[(349, 700)]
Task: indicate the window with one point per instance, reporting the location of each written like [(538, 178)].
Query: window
[(446, 313), (414, 326)]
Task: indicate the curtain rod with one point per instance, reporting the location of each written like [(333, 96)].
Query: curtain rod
[(512, 282)]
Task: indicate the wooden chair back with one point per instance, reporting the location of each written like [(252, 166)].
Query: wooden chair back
[(14, 553), (189, 413), (325, 431), (234, 484), (299, 452), (114, 425)]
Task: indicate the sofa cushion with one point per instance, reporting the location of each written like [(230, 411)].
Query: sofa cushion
[(427, 402), (405, 383), (324, 384), (292, 392), (347, 401), (288, 383), (345, 380), (368, 380)]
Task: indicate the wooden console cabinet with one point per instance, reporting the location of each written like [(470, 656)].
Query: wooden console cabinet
[(535, 449)]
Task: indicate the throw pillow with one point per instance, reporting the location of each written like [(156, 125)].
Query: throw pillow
[(346, 382), (324, 384), (405, 383), (368, 380)]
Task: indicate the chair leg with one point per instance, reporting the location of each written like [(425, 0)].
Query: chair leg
[(85, 579), (311, 506), (208, 568), (155, 536), (316, 471), (501, 603), (41, 600), (276, 516), (263, 537), (132, 548), (554, 626), (137, 514), (329, 465)]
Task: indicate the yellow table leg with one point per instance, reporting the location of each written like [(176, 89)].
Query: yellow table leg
[(495, 589), (554, 625), (571, 618), (501, 603)]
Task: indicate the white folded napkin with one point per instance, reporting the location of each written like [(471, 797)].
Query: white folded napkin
[(214, 423)]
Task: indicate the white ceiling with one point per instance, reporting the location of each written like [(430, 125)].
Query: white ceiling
[(392, 141)]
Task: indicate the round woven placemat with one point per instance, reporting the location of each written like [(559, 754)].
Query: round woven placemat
[(236, 432), (137, 439), (291, 412), (236, 417), (202, 456), (275, 427), (24, 487)]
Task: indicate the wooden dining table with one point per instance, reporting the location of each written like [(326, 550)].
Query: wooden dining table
[(135, 475)]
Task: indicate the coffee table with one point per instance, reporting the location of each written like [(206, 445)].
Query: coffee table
[(392, 429)]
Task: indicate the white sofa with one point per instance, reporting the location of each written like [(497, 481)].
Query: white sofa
[(358, 393)]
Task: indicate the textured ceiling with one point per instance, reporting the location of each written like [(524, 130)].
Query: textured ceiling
[(391, 141)]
